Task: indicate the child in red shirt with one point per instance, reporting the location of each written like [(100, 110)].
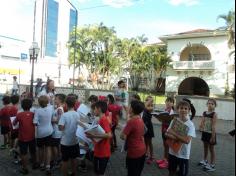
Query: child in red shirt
[(163, 163), (13, 112), (26, 134), (102, 151), (5, 121), (115, 110), (133, 133)]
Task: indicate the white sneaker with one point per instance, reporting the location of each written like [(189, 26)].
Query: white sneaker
[(209, 168), (203, 163)]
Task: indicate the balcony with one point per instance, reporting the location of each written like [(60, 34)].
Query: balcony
[(194, 65)]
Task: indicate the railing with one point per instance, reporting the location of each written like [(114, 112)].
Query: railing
[(194, 65)]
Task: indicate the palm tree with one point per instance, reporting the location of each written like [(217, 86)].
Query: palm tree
[(229, 26)]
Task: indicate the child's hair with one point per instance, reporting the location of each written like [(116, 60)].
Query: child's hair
[(192, 108), (111, 98), (6, 100), (15, 99), (148, 97), (70, 101), (93, 98), (136, 97), (212, 100), (170, 99), (61, 97), (71, 94), (43, 101), (137, 107), (102, 105), (183, 103), (26, 104), (47, 86), (120, 82)]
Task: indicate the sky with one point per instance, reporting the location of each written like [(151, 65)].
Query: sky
[(130, 18)]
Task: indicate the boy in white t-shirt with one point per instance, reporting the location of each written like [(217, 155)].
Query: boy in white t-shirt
[(43, 121), (181, 158), (56, 135), (69, 141)]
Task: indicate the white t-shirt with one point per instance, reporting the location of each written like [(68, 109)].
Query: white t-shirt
[(15, 85), (56, 132), (43, 120), (70, 121), (184, 152)]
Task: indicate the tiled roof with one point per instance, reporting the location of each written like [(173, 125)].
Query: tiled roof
[(196, 31)]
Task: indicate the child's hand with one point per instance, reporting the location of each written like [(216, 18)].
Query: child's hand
[(91, 136), (212, 140), (171, 131)]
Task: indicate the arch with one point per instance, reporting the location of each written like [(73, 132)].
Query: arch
[(194, 86), (195, 52)]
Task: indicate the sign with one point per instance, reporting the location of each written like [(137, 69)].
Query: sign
[(23, 56)]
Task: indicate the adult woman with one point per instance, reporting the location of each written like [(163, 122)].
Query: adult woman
[(49, 91)]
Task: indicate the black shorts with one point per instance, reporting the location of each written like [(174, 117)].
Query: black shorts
[(5, 130), (55, 142), (100, 165), (175, 162), (135, 166), (46, 141), (206, 137), (14, 135), (70, 152), (25, 145)]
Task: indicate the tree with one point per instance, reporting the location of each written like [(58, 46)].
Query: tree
[(229, 26)]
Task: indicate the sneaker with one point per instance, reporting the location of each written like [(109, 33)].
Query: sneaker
[(24, 171), (203, 163), (164, 165), (160, 161), (150, 161), (48, 171), (42, 167), (209, 168), (83, 169)]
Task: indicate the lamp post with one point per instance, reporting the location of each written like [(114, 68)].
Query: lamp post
[(33, 51), (75, 41)]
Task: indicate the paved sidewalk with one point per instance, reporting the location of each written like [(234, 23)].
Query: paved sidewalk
[(225, 164)]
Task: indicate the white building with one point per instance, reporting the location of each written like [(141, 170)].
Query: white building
[(201, 63), (54, 20)]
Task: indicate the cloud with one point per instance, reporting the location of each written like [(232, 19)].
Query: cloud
[(118, 3), (184, 2)]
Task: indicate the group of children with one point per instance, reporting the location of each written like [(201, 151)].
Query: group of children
[(49, 133)]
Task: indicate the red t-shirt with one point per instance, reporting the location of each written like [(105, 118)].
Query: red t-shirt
[(102, 149), (26, 126), (115, 110), (5, 114), (134, 131)]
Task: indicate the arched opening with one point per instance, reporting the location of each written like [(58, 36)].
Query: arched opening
[(194, 86), (195, 52)]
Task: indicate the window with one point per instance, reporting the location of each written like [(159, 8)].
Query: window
[(52, 28)]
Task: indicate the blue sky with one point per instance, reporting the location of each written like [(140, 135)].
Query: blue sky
[(130, 18)]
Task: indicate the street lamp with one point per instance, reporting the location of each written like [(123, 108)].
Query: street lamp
[(75, 41), (33, 51)]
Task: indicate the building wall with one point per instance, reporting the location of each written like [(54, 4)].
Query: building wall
[(216, 79)]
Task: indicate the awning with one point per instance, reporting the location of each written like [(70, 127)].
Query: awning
[(11, 71)]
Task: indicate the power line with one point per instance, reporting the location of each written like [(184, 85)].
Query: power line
[(100, 6)]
